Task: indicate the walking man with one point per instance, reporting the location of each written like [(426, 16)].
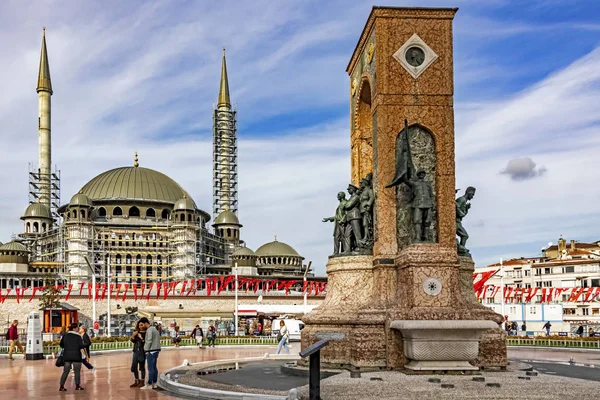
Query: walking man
[(13, 337), (152, 349)]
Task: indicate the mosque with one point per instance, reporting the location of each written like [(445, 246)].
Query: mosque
[(133, 224)]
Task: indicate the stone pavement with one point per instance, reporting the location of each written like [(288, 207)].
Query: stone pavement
[(20, 379), (393, 385)]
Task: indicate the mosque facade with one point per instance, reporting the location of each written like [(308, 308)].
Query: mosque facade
[(133, 224)]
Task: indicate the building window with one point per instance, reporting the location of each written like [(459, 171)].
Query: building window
[(134, 211), (585, 311), (117, 211), (538, 284), (547, 283), (568, 270), (532, 310), (528, 285), (165, 214), (568, 311), (547, 271), (527, 272), (102, 212), (150, 213), (595, 311)]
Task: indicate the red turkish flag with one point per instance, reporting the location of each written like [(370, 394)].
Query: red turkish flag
[(66, 297)]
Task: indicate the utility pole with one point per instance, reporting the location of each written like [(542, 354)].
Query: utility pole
[(235, 270), (306, 292)]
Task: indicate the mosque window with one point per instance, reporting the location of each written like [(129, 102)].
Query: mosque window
[(150, 213), (82, 213), (190, 218), (102, 212), (128, 259), (165, 214), (148, 259), (118, 259), (28, 227), (35, 227), (228, 232), (43, 227), (138, 259), (74, 213), (117, 211), (159, 259), (134, 211)]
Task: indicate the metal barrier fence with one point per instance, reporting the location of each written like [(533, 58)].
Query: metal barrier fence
[(567, 343), (166, 342)]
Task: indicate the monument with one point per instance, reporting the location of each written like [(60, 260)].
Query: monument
[(400, 292), (34, 348)]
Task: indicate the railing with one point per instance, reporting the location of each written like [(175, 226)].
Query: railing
[(566, 343), (165, 342)]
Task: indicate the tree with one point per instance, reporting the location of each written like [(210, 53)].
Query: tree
[(50, 297)]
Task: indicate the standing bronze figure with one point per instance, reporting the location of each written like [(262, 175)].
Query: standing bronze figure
[(367, 198), (353, 220), (462, 209), (422, 203), (404, 164), (339, 221)]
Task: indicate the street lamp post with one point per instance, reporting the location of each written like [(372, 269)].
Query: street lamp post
[(235, 271), (108, 278), (94, 290), (305, 291), (502, 289)]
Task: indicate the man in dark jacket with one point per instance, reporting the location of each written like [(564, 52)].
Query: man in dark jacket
[(13, 338), (72, 344)]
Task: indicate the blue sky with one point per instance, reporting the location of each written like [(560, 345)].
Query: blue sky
[(143, 76)]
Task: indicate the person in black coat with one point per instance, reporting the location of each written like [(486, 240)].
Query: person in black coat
[(72, 344), (138, 355)]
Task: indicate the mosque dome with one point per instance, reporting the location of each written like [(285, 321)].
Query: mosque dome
[(227, 217), (276, 248), (185, 203), (13, 246), (36, 210), (244, 252), (80, 199), (134, 183)]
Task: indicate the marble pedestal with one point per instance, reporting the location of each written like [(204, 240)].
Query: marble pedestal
[(356, 332)]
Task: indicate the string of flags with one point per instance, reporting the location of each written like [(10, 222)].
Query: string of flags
[(142, 291)]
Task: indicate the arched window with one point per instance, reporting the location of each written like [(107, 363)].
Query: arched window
[(190, 218), (36, 227), (43, 227), (128, 259), (117, 211), (28, 227), (149, 259), (165, 214), (134, 211), (74, 214), (228, 232), (159, 259), (150, 213), (118, 259), (222, 234), (138, 259), (82, 213), (102, 212)]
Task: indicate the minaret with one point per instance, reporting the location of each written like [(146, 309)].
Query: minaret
[(44, 90), (224, 150)]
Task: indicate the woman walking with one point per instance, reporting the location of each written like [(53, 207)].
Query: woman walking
[(283, 337), (211, 335), (199, 335), (72, 344), (139, 356)]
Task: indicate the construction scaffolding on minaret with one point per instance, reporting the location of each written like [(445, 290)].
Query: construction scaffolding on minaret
[(225, 176), (44, 184)]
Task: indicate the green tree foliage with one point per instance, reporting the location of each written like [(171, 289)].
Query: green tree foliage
[(50, 297)]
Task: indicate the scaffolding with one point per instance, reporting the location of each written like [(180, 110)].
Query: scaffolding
[(36, 183), (225, 175)]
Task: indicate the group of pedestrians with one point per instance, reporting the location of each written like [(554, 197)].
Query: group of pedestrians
[(211, 336)]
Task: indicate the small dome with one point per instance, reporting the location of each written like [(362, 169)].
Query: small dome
[(13, 246), (227, 217), (244, 251), (80, 199), (276, 248), (185, 203), (37, 210)]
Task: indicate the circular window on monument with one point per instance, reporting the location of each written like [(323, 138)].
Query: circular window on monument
[(415, 56), (432, 286)]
